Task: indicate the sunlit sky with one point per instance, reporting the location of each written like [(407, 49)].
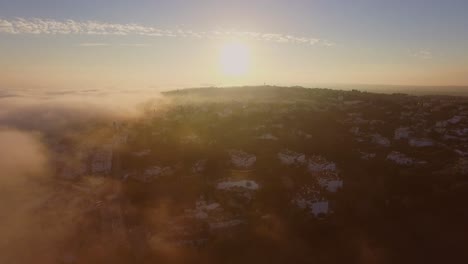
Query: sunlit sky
[(89, 44)]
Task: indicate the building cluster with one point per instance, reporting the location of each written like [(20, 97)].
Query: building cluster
[(240, 150)]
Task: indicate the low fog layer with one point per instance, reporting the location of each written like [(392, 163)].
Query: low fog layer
[(39, 217), (54, 110)]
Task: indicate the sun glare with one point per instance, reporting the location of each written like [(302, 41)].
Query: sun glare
[(234, 59)]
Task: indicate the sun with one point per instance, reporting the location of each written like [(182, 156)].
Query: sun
[(234, 59)]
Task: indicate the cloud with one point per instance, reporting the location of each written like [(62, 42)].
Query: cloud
[(40, 211), (100, 44), (21, 156), (423, 54), (93, 44), (72, 27), (36, 214), (138, 45)]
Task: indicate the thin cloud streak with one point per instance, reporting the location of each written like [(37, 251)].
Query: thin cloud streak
[(93, 44), (423, 54), (137, 45), (72, 27), (101, 44)]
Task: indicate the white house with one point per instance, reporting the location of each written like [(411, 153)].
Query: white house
[(242, 159), (399, 158), (288, 157)]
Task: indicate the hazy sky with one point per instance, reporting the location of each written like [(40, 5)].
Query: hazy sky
[(89, 44)]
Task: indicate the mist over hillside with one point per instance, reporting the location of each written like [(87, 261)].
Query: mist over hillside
[(250, 174)]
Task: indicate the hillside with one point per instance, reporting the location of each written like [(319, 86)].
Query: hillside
[(283, 174)]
